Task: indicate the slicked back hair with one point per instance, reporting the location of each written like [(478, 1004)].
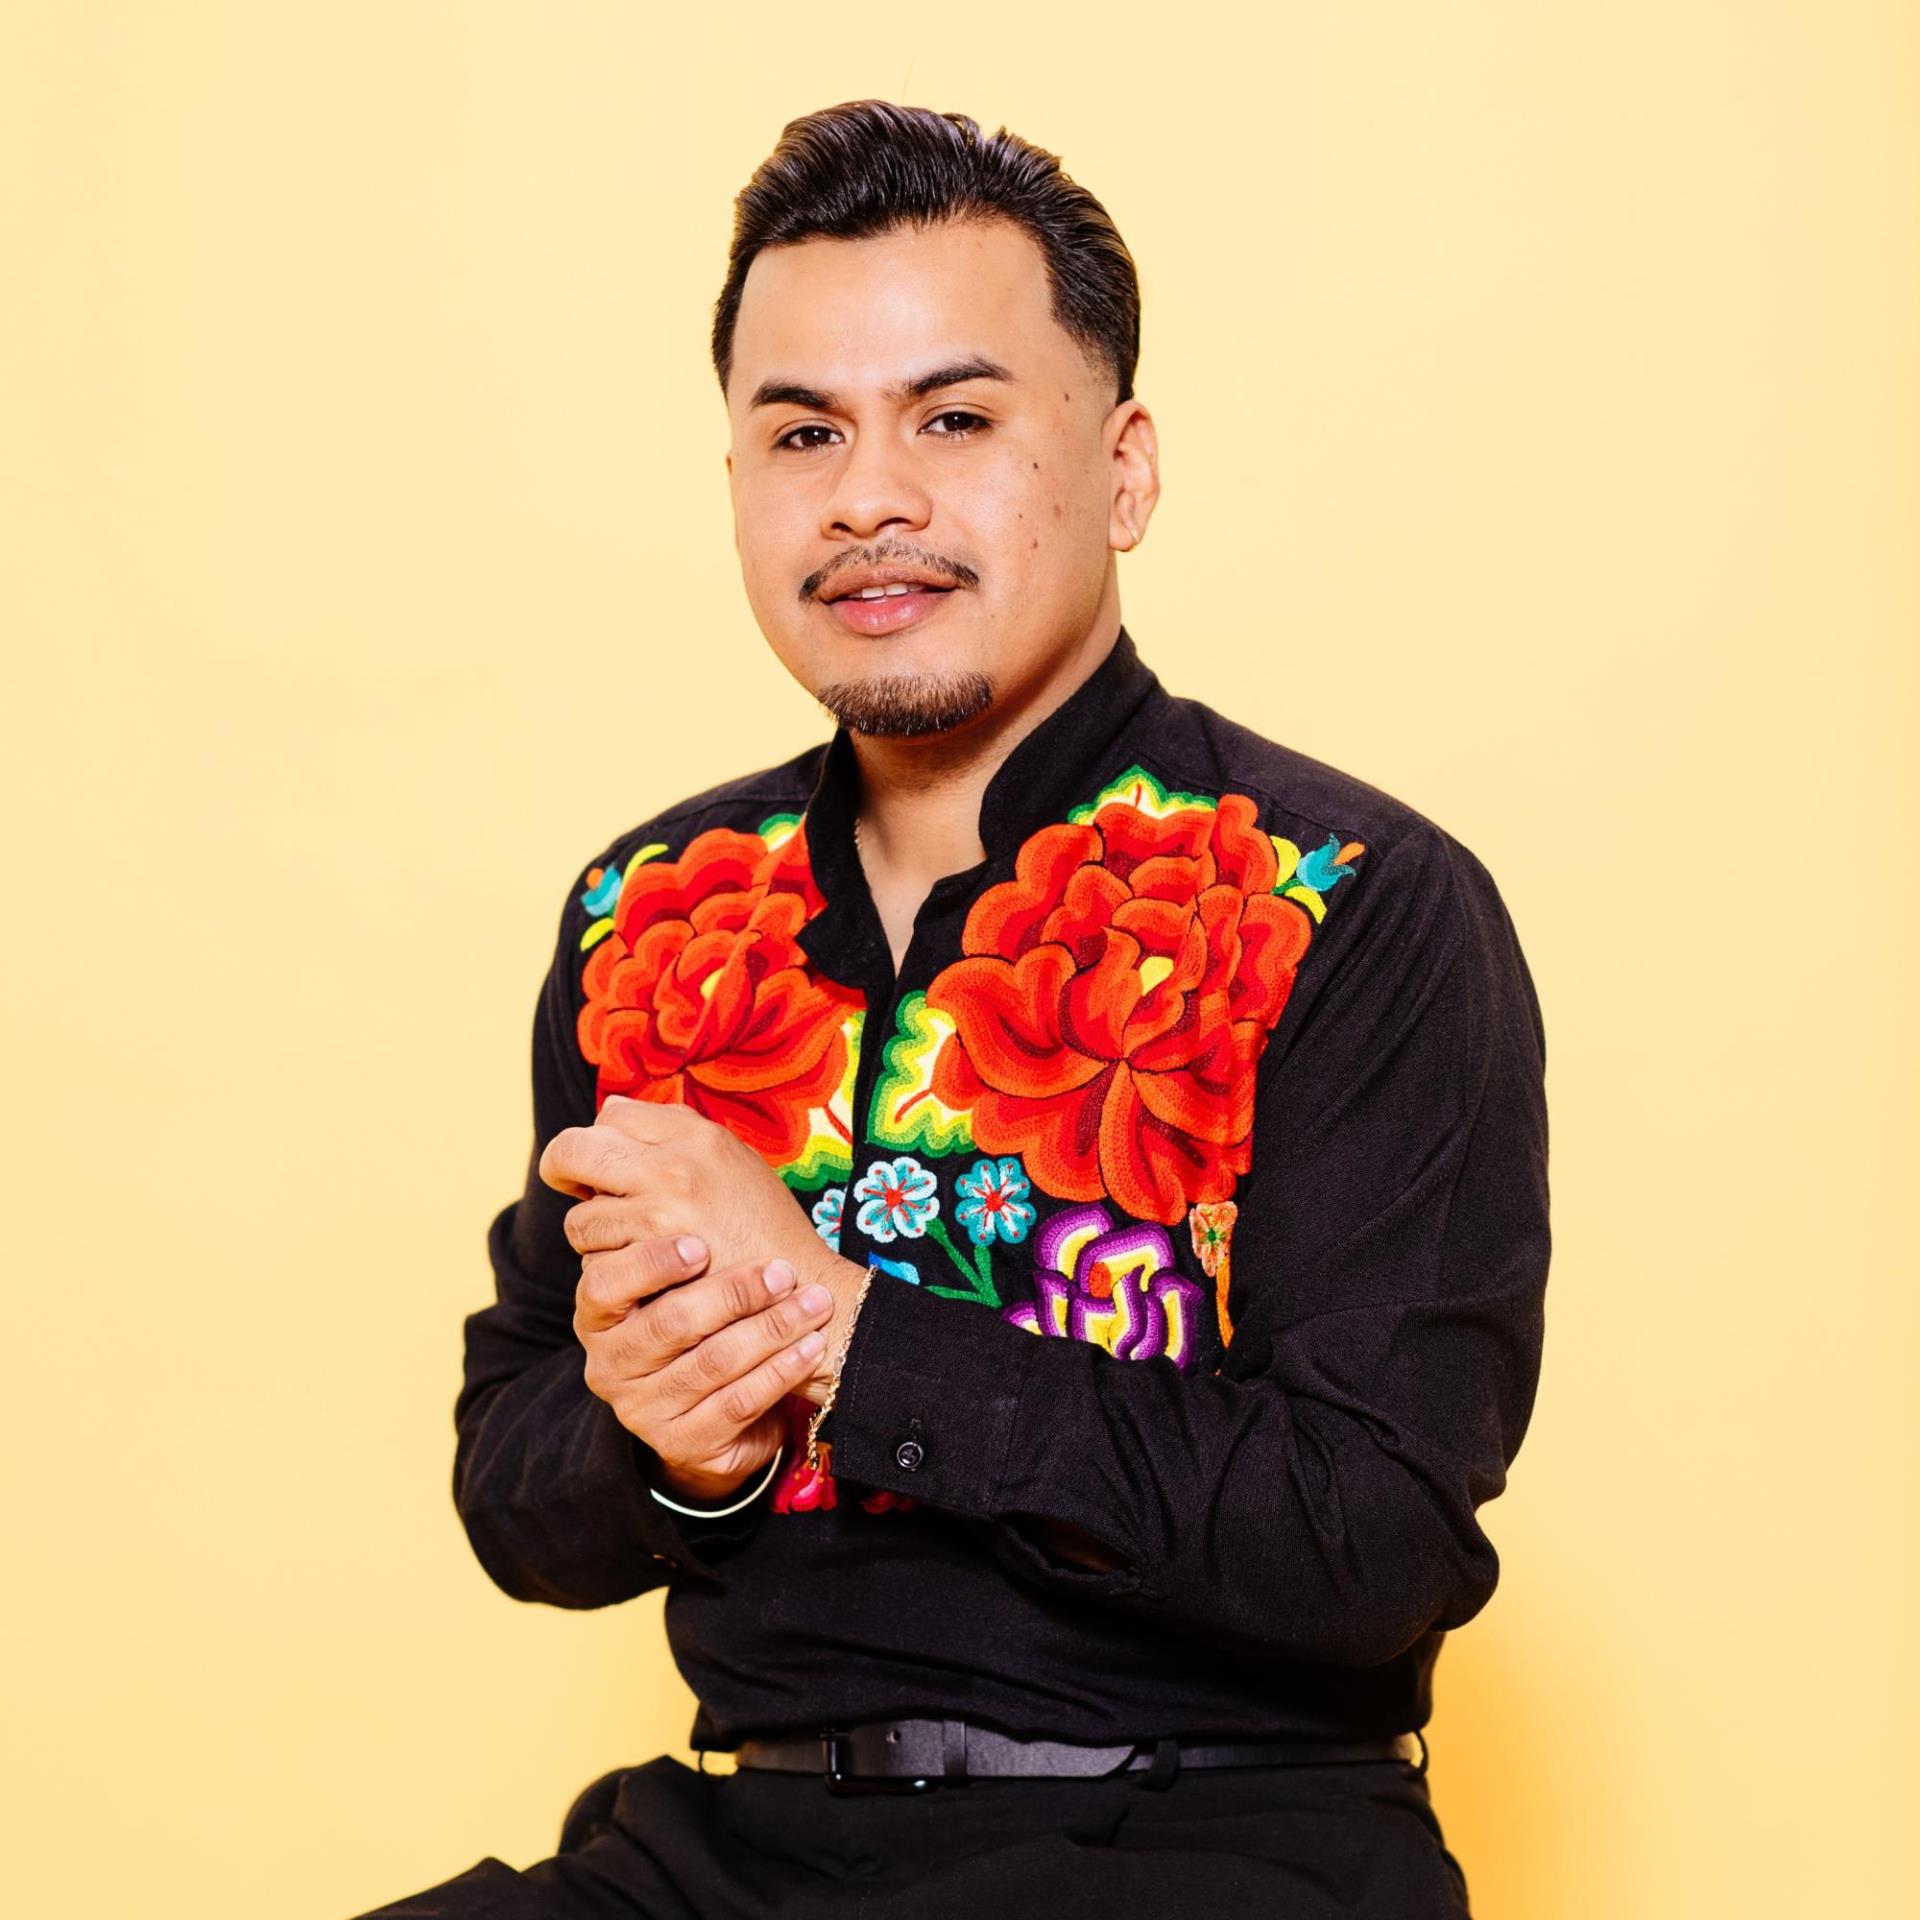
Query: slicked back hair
[(866, 166)]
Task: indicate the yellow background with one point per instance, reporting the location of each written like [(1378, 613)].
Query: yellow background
[(1536, 390)]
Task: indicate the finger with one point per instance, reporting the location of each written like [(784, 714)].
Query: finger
[(610, 1220), (611, 1283), (722, 1358), (708, 1425), (649, 1122), (711, 1422), (675, 1323), (588, 1160)]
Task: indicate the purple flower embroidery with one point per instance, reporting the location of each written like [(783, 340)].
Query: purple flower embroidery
[(1114, 1286)]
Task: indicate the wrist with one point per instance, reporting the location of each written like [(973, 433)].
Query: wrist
[(844, 1279), (698, 1489)]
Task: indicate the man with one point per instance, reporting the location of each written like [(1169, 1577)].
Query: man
[(1037, 1228)]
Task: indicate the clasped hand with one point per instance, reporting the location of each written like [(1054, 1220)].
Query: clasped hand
[(702, 1282)]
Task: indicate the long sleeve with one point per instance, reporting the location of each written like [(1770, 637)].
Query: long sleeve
[(1316, 1497), (554, 1492)]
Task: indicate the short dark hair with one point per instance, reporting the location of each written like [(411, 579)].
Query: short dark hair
[(866, 166)]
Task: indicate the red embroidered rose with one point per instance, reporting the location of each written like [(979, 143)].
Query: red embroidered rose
[(1114, 1000), (701, 993)]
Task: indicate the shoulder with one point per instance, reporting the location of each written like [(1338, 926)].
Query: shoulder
[(740, 802), (746, 803), (1360, 852)]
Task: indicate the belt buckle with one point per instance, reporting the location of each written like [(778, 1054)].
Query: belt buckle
[(834, 1754)]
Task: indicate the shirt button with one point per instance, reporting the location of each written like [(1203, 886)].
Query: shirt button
[(909, 1454)]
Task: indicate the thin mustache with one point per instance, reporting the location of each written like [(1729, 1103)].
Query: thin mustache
[(961, 576)]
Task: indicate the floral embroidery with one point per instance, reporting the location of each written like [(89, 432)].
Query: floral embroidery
[(897, 1197), (994, 1201), (1114, 1285), (697, 991), (1306, 877), (826, 1214), (1114, 996), (906, 1112), (1096, 1042), (603, 889), (1211, 1224)]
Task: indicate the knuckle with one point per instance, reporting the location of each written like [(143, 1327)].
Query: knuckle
[(669, 1322), (586, 1226)]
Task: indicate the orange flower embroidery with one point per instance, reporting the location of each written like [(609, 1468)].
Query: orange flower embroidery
[(700, 993), (1114, 998), (1211, 1224)]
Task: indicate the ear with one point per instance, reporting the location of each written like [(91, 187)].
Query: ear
[(1136, 474)]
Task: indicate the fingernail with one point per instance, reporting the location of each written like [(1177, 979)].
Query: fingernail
[(689, 1248), (779, 1276), (815, 1298), (812, 1344)]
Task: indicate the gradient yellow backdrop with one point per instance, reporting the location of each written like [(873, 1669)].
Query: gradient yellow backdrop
[(1536, 390)]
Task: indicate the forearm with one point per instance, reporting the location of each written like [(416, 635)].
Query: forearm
[(554, 1494), (1245, 1512)]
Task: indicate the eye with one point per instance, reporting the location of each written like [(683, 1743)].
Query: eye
[(786, 439), (959, 433)]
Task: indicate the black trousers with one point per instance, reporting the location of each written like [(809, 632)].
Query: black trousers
[(662, 1841)]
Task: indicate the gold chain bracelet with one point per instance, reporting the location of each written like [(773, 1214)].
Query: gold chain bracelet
[(833, 1385)]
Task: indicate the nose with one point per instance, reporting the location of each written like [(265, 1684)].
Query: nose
[(874, 487)]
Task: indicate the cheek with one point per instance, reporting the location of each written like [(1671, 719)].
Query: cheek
[(1053, 525)]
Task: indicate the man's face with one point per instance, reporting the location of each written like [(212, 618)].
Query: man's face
[(1005, 488)]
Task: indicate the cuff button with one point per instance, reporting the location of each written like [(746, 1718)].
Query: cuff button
[(909, 1454)]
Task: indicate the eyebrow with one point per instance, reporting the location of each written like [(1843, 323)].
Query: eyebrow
[(788, 393)]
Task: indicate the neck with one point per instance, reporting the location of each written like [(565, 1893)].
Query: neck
[(920, 798)]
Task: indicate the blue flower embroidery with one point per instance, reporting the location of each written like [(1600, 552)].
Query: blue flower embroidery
[(896, 1197), (1321, 867), (827, 1212), (599, 897), (995, 1201), (900, 1269)]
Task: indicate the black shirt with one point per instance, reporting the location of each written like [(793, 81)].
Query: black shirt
[(1202, 1145)]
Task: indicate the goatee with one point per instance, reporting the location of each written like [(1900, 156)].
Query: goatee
[(901, 706)]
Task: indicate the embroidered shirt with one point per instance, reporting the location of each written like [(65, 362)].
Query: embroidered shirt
[(1201, 1144)]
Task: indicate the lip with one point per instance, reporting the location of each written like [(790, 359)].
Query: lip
[(890, 614)]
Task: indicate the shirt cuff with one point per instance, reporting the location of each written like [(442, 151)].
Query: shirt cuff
[(927, 1397), (684, 1540)]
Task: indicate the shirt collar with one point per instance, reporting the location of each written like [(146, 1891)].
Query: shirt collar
[(1051, 768)]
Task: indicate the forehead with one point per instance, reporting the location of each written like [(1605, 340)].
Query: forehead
[(853, 315)]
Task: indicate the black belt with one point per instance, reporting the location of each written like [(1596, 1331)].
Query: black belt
[(910, 1755)]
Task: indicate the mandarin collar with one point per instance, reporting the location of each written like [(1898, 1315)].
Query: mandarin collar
[(1050, 769)]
